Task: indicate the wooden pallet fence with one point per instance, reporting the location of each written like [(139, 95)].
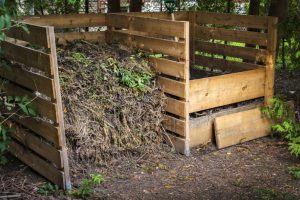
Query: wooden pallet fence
[(139, 32), (37, 142)]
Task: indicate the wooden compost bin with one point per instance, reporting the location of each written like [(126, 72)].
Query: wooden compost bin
[(40, 143)]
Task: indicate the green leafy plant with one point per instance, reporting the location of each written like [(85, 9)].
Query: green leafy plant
[(295, 171), (87, 186), (47, 189), (135, 80), (284, 123), (81, 58)]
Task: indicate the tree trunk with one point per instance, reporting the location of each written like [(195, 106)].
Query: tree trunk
[(135, 6), (113, 6)]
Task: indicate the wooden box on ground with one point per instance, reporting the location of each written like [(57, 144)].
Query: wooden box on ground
[(219, 42)]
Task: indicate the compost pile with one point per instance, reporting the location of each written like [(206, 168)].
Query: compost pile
[(112, 105)]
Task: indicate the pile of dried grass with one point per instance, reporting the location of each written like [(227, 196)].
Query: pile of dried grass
[(103, 117)]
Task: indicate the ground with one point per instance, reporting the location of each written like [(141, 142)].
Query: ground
[(252, 170)]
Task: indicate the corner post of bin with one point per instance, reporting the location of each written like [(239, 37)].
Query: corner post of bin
[(187, 86), (192, 20), (271, 59), (58, 101)]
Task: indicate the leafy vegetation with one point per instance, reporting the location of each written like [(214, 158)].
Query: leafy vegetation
[(86, 188), (47, 189), (284, 123), (81, 58)]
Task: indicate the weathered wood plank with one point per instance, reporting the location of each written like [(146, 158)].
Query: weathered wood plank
[(175, 125), (68, 20), (42, 167), (234, 51), (154, 45), (149, 25), (180, 145), (88, 36), (247, 37), (179, 15), (36, 35), (172, 87), (241, 127), (29, 80), (176, 107), (44, 108), (250, 21), (202, 128), (27, 56), (222, 64), (169, 67), (37, 145), (41, 128), (227, 89)]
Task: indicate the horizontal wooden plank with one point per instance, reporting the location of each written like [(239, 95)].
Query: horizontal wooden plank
[(241, 127), (169, 67), (249, 21), (222, 64), (178, 15), (29, 80), (44, 107), (37, 35), (180, 145), (37, 145), (151, 44), (175, 125), (247, 37), (88, 36), (227, 89), (202, 128), (172, 87), (233, 51), (27, 56), (176, 107), (149, 25), (41, 128), (68, 20), (39, 165)]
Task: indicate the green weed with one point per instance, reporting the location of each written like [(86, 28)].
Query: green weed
[(295, 171), (81, 58), (47, 189)]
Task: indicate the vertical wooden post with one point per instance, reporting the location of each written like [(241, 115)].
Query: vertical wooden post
[(271, 59), (58, 102), (192, 20), (187, 86)]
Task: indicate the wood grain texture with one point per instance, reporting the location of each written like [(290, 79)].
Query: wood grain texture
[(241, 127), (169, 67), (172, 87), (96, 37), (175, 125), (227, 89)]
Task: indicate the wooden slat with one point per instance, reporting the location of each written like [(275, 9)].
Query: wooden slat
[(227, 89), (249, 21), (202, 128), (169, 67), (150, 44), (36, 35), (271, 59), (42, 167), (179, 15), (37, 145), (176, 107), (27, 56), (88, 36), (175, 125), (181, 145), (234, 51), (41, 128), (44, 108), (149, 25), (241, 127), (29, 80), (247, 37), (222, 64), (68, 20), (172, 87)]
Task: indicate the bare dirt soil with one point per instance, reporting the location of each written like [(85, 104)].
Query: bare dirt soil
[(252, 170)]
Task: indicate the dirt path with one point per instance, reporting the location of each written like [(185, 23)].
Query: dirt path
[(254, 170)]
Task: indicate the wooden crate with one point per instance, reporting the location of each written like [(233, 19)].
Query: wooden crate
[(177, 40)]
